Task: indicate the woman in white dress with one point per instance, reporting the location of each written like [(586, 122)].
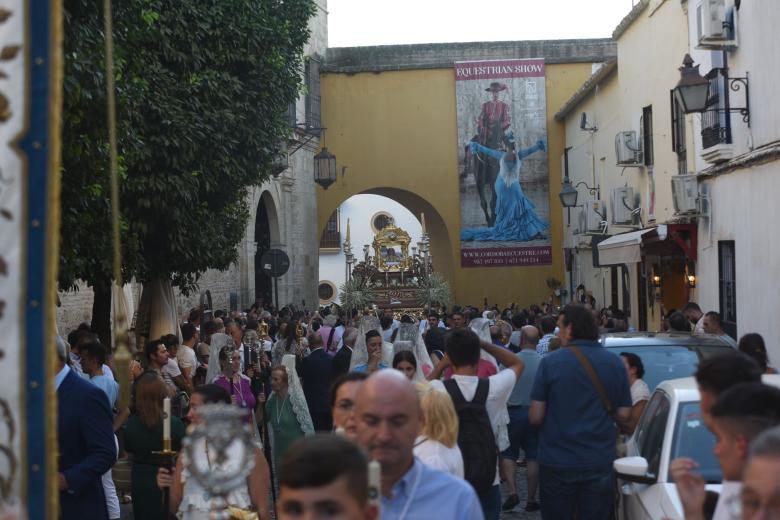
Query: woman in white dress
[(437, 445)]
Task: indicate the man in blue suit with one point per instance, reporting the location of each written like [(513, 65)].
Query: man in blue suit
[(86, 442), (315, 372)]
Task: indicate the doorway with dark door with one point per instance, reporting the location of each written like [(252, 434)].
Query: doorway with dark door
[(263, 285)]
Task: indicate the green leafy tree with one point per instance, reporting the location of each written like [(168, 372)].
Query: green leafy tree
[(202, 90)]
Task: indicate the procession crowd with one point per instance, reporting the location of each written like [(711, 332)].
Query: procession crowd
[(357, 416)]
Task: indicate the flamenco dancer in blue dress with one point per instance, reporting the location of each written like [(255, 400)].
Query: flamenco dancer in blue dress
[(515, 217)]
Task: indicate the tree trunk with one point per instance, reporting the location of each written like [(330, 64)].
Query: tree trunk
[(101, 312)]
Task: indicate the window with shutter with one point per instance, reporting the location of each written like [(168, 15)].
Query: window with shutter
[(727, 281), (331, 235), (647, 134), (313, 123), (678, 134), (291, 116)]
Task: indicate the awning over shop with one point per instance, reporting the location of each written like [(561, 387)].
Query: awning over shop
[(626, 248)]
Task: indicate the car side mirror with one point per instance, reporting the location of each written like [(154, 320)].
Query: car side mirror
[(633, 469)]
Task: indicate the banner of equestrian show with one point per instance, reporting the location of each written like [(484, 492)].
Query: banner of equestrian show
[(502, 159)]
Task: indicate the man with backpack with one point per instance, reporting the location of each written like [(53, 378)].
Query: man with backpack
[(579, 393), (479, 404)]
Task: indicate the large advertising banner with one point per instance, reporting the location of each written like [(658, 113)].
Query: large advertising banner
[(504, 183)]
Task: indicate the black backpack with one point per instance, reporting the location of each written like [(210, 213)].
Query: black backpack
[(476, 440)]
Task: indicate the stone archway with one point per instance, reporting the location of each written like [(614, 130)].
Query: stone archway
[(441, 241), (266, 236)]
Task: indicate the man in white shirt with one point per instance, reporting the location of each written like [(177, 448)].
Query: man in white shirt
[(714, 325), (693, 312), (463, 354), (170, 371), (185, 355)]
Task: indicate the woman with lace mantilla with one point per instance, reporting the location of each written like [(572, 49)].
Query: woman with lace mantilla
[(286, 412)]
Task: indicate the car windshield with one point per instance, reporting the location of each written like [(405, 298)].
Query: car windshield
[(693, 440), (664, 362)]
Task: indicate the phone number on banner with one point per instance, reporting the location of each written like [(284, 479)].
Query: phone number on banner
[(506, 256)]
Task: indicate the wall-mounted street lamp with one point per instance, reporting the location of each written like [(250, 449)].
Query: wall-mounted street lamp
[(325, 168), (325, 172), (657, 281), (690, 276), (568, 194), (692, 91)]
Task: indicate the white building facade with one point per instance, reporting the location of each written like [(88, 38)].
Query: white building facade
[(737, 162), (622, 158)]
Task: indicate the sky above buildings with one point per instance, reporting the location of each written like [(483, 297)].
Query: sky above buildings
[(388, 22)]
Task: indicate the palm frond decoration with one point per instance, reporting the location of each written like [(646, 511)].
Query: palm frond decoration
[(434, 291), (356, 294)]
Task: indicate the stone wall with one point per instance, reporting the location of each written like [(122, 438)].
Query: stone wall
[(350, 60), (76, 306)]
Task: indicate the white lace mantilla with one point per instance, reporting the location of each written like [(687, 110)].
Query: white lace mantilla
[(410, 338), (295, 394)]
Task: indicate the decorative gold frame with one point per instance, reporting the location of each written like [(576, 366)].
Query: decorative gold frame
[(392, 236)]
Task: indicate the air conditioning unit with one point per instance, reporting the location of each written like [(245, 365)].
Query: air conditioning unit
[(627, 149), (685, 194), (705, 204), (595, 216), (622, 205), (715, 25)]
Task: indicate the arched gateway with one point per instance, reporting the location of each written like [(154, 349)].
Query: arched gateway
[(392, 119)]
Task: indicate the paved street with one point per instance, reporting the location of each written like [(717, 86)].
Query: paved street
[(519, 513)]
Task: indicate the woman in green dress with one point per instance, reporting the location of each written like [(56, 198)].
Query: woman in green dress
[(143, 436), (286, 413)]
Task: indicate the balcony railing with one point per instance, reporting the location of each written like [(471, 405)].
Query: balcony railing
[(715, 121)]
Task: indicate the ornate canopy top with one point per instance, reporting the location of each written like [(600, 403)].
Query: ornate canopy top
[(391, 249)]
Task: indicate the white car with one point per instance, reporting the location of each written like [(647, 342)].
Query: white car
[(670, 427)]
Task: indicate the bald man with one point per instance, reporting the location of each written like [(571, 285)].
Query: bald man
[(389, 418)]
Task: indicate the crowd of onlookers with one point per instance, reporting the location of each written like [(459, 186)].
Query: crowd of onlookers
[(449, 404)]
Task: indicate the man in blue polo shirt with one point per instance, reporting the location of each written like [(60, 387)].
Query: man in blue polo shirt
[(576, 431)]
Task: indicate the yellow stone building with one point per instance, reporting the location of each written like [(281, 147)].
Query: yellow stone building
[(390, 118)]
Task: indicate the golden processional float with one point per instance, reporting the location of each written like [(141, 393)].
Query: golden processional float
[(393, 274)]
